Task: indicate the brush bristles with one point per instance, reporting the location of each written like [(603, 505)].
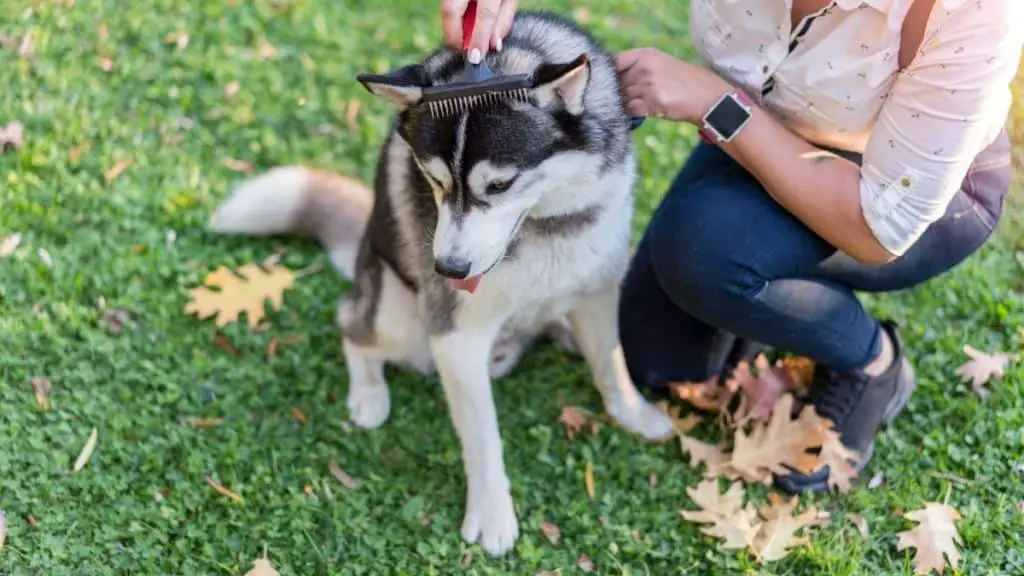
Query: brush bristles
[(446, 107)]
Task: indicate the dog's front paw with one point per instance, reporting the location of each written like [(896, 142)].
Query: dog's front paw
[(643, 419), (491, 520), (369, 405), (504, 356)]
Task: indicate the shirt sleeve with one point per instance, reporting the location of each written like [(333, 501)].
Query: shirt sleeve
[(942, 110)]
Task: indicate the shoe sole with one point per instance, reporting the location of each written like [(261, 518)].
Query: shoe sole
[(904, 390)]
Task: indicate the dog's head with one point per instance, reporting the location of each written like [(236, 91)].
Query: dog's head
[(488, 167)]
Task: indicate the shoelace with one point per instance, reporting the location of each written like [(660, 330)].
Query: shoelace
[(834, 394)]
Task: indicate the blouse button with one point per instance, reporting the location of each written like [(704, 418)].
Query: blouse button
[(905, 182)]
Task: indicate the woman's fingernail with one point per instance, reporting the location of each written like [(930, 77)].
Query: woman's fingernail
[(474, 56), (497, 44)]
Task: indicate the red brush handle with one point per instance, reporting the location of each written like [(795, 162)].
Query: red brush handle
[(468, 22)]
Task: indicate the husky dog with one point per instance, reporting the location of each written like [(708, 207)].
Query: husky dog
[(486, 230)]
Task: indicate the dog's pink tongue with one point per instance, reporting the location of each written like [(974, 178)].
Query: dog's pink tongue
[(467, 284)]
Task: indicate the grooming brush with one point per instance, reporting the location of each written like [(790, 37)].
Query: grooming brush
[(477, 84)]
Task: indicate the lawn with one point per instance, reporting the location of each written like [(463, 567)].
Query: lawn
[(114, 84)]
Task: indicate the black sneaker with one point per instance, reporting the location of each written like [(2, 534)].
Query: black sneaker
[(858, 405)]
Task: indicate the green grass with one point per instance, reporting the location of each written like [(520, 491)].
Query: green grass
[(107, 241)]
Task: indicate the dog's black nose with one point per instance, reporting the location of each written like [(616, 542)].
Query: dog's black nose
[(452, 267)]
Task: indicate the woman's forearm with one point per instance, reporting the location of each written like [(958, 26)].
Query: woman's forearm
[(819, 188)]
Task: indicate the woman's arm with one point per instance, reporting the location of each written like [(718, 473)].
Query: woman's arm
[(936, 119)]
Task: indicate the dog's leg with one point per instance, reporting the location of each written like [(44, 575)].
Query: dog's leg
[(595, 324), (463, 359), (369, 402)]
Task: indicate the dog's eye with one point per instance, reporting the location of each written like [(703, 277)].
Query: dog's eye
[(499, 186)]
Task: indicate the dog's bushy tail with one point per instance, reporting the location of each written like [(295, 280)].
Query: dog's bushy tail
[(299, 200)]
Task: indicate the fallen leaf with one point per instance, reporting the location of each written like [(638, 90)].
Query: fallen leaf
[(86, 453), (1020, 506), (117, 169), (777, 535), (729, 520), (12, 135), (102, 32), (41, 388), (222, 342), (551, 532), (933, 537), (299, 415), (27, 47), (179, 39), (267, 50), (709, 395), (9, 245), (761, 391), (237, 165), (114, 320), (682, 424), (653, 480), (105, 63), (712, 456), (342, 476), (262, 567), (352, 113), (231, 89), (861, 523), (876, 480), (31, 520), (204, 422), (798, 369), (272, 347), (45, 257), (574, 419), (76, 153), (588, 479), (981, 368), (3, 528), (779, 445), (841, 461), (224, 491), (585, 563), (237, 295)]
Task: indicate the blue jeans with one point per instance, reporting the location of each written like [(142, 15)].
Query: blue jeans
[(721, 260)]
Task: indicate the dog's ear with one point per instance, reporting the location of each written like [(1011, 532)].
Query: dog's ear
[(565, 83), (403, 87)]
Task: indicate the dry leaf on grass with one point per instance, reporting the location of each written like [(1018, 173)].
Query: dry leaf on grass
[(105, 63), (760, 391), (117, 169), (267, 50), (861, 523), (41, 389), (179, 39), (574, 419), (299, 415), (876, 480), (585, 563), (552, 532), (203, 422), (342, 476), (262, 567), (712, 456), (9, 245), (981, 368), (729, 520), (12, 135), (682, 424), (237, 295), (935, 536), (231, 89), (777, 535), (3, 529), (223, 490), (709, 395), (782, 442), (841, 461), (237, 165), (588, 479), (86, 453)]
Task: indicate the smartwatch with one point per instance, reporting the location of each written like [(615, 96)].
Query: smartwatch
[(726, 117)]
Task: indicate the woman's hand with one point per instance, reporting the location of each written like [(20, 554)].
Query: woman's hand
[(493, 21), (662, 86)]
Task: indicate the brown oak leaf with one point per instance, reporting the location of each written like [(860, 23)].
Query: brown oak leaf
[(237, 295), (710, 395), (777, 535), (728, 518), (933, 538), (981, 368), (781, 443)]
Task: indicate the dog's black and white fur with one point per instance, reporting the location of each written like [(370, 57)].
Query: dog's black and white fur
[(536, 197)]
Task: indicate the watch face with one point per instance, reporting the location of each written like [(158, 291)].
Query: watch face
[(727, 117)]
